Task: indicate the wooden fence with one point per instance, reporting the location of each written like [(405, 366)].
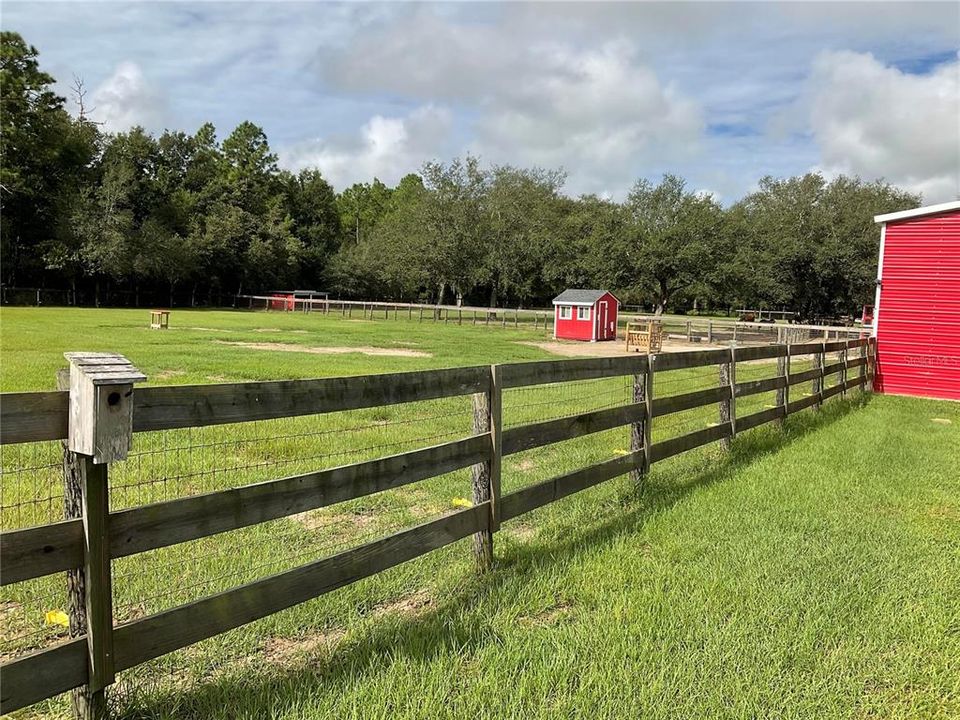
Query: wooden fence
[(381, 310), (86, 544), (677, 327)]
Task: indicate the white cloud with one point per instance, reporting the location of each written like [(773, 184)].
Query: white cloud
[(386, 148), (876, 121), (595, 109), (126, 99), (598, 112)]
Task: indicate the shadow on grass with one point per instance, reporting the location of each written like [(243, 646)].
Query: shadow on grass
[(448, 626)]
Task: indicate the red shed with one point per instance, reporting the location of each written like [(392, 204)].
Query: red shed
[(917, 307), (585, 315)]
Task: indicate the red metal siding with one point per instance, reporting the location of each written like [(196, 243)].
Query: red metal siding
[(590, 328), (918, 320), (573, 329)]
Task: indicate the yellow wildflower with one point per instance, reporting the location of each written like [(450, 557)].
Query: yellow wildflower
[(461, 503)]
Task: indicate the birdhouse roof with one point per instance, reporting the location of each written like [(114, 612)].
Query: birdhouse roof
[(105, 368)]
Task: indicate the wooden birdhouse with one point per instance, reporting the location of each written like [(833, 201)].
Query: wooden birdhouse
[(101, 405)]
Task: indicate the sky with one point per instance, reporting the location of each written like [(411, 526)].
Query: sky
[(720, 93)]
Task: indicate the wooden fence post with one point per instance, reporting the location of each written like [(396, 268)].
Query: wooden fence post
[(100, 431), (843, 371), (85, 703), (639, 439), (487, 411), (728, 408), (709, 331), (783, 394), (648, 422), (817, 386)]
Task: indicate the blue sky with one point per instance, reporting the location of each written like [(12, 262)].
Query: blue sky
[(722, 93)]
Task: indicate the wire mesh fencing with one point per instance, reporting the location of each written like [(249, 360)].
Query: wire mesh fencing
[(175, 464)]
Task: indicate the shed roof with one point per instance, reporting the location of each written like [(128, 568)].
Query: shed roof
[(917, 212), (574, 296)]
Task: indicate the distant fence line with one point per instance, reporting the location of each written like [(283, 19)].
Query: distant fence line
[(92, 538), (676, 327)]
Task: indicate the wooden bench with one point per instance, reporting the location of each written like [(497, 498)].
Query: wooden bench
[(160, 319), (645, 336)]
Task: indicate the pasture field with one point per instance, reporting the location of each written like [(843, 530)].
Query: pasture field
[(811, 572)]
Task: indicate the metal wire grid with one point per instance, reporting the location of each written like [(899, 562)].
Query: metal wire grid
[(538, 403), (31, 484), (31, 493), (176, 463), (179, 463), (679, 382), (30, 615)]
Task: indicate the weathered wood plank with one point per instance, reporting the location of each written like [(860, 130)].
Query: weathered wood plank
[(834, 346), (752, 387), (805, 349), (529, 498), (496, 440), (33, 416), (42, 550), (687, 401), (759, 352), (161, 408), (696, 358), (480, 477), (804, 402), (167, 523), (832, 390), (536, 435), (832, 368), (98, 580), (675, 446), (759, 418), (43, 674), (855, 381), (156, 635), (551, 371), (804, 376), (857, 362)]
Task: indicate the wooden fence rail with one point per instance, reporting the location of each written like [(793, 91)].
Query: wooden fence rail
[(90, 542)]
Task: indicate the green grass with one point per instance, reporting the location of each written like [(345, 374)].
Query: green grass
[(812, 572)]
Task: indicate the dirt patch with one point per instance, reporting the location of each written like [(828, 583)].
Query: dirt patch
[(526, 465), (608, 349), (942, 421), (333, 350), (409, 605), (944, 512), (278, 651), (551, 616), (521, 532), (320, 520), (167, 374)]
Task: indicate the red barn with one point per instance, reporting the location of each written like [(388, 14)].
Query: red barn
[(585, 315), (917, 307)]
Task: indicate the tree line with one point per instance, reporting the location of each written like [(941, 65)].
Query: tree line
[(191, 218)]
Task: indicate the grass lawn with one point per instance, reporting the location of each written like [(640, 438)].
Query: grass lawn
[(812, 572)]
